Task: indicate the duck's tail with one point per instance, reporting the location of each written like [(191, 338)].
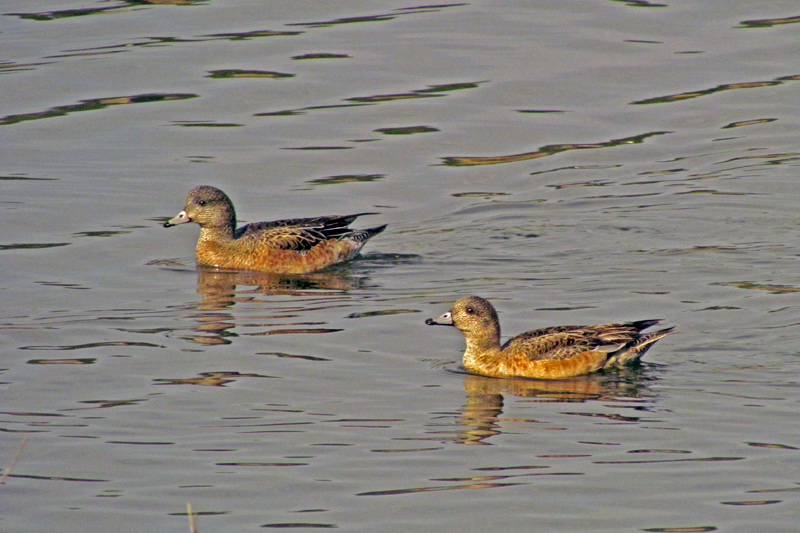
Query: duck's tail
[(363, 235), (630, 353)]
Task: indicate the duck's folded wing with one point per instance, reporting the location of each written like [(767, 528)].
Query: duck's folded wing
[(299, 233), (282, 237), (549, 344), (562, 342)]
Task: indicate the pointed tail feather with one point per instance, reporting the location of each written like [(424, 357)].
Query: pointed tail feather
[(633, 351), (342, 221), (363, 235), (644, 324)]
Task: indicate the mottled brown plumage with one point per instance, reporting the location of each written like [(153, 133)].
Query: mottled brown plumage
[(548, 353), (293, 246)]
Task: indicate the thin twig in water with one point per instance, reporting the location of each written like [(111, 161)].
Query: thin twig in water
[(190, 514), (7, 471)]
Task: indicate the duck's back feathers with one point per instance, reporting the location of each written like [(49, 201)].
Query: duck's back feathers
[(302, 234), (330, 226), (562, 342)]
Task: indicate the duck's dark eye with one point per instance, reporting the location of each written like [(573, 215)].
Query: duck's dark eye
[(201, 202), (470, 311)]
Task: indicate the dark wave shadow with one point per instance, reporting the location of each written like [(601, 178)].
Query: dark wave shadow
[(544, 151)]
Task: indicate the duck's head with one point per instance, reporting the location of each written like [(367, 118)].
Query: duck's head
[(473, 315), (206, 206)]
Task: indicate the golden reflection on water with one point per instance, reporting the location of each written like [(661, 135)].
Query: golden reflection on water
[(221, 290), (481, 414)]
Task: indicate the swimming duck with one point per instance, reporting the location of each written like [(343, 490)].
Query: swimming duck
[(548, 353), (293, 246)]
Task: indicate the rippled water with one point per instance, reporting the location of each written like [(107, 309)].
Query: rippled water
[(574, 162)]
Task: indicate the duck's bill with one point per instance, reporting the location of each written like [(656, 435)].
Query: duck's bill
[(442, 320), (181, 218)]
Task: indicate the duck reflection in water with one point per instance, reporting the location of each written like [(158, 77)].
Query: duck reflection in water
[(222, 289), (482, 412), (219, 288)]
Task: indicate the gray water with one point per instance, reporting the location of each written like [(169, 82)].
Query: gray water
[(574, 162)]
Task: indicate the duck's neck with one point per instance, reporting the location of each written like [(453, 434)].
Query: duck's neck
[(482, 348), (221, 228), (217, 233)]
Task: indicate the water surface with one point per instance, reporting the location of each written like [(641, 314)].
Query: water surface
[(572, 162)]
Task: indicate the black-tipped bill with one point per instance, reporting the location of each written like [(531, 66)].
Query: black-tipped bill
[(180, 218), (442, 320)]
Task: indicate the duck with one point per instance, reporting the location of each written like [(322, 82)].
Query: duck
[(549, 353), (291, 246)]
